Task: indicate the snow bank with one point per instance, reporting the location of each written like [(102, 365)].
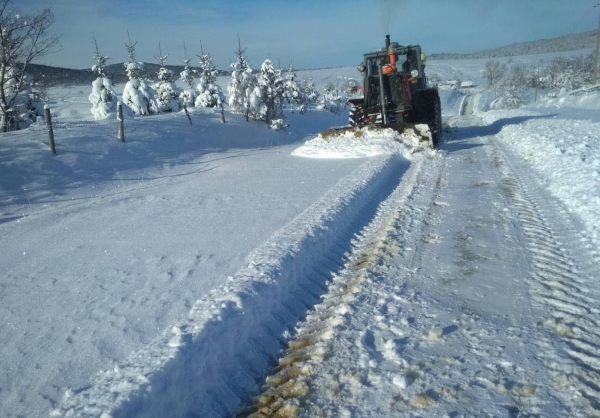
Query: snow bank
[(566, 153), (582, 99)]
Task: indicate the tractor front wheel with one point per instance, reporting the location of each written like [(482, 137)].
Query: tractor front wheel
[(357, 116)]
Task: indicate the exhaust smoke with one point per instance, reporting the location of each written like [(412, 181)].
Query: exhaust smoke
[(390, 11)]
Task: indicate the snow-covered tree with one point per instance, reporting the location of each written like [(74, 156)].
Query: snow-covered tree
[(293, 92), (26, 104), (187, 96), (565, 74), (209, 92), (267, 95), (23, 38), (167, 93), (242, 83), (493, 73), (138, 94), (332, 98), (310, 90), (103, 96)]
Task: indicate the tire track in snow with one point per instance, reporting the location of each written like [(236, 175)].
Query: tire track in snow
[(560, 284), (210, 364), (285, 389)]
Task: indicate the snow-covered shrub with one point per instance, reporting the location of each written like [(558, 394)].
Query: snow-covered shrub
[(508, 98), (241, 85), (137, 93), (568, 73), (26, 104), (103, 97), (294, 93), (140, 98), (332, 97), (167, 93), (267, 97), (310, 90), (208, 91), (187, 96)]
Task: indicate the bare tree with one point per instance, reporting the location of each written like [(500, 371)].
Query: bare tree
[(23, 38), (493, 72)]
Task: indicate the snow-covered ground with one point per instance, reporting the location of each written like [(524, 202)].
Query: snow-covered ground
[(171, 274)]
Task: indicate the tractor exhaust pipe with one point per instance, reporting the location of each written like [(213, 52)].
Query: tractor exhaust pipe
[(387, 42)]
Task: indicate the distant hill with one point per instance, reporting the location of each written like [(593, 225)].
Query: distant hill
[(55, 76), (573, 42)]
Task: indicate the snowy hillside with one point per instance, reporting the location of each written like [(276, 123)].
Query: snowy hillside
[(214, 269)]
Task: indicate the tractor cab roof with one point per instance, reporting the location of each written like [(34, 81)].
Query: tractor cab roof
[(399, 49)]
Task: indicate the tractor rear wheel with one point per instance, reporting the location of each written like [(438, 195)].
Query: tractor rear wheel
[(431, 111), (357, 116), (437, 128)]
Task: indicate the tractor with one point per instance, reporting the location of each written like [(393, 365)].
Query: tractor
[(396, 95)]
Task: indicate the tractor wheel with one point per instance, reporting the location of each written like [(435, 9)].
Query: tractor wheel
[(431, 111), (357, 115), (437, 128)]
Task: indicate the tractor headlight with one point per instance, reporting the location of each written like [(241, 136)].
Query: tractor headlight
[(414, 73), (361, 68), (352, 83)]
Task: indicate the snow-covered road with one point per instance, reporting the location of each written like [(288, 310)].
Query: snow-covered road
[(172, 274), (487, 307)]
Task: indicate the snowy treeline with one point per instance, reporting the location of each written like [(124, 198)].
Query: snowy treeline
[(265, 95), (510, 82), (261, 96)]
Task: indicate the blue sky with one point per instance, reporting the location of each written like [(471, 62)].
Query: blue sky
[(311, 33)]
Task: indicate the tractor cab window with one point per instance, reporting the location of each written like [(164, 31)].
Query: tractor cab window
[(408, 62), (373, 67)]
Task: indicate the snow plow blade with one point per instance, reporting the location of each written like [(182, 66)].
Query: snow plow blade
[(420, 132)]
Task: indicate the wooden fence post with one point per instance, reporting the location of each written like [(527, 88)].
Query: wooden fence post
[(49, 126), (121, 133), (187, 113)]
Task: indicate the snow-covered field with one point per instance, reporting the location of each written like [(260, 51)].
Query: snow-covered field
[(172, 274)]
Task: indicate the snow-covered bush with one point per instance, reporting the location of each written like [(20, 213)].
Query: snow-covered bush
[(568, 73), (208, 91), (293, 92), (137, 93), (267, 96), (103, 97), (241, 85), (167, 93), (26, 104), (508, 98), (187, 96), (310, 90), (333, 97)]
